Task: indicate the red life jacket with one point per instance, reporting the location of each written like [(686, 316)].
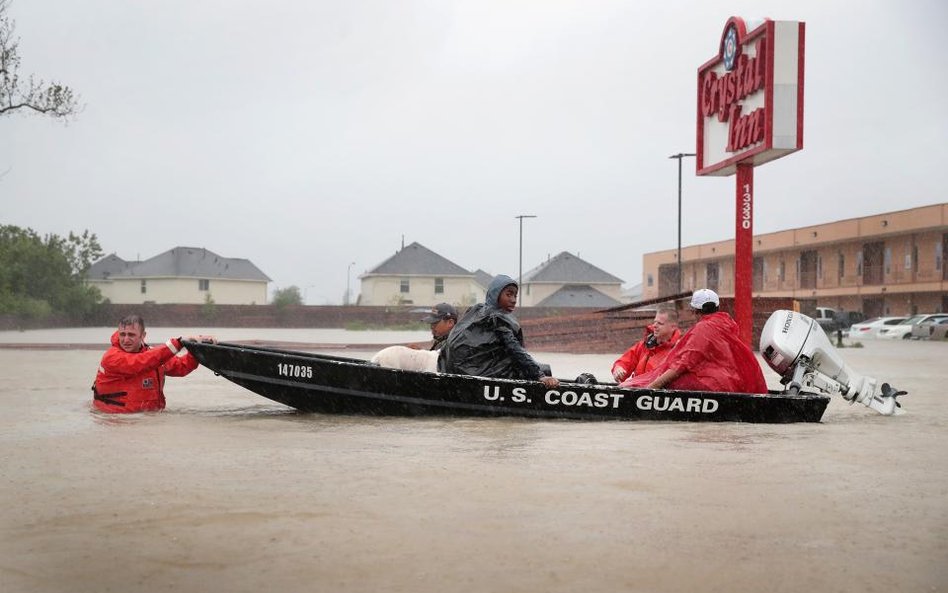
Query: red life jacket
[(639, 358), (712, 358), (134, 381), (652, 357)]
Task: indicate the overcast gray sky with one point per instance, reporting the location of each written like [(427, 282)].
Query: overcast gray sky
[(307, 134)]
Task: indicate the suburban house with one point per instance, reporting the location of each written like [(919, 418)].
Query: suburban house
[(568, 281), (183, 275), (415, 275), (884, 264)]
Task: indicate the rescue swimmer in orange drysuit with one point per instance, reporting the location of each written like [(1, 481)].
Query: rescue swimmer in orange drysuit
[(131, 375)]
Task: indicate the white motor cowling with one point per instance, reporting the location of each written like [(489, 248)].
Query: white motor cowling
[(797, 348)]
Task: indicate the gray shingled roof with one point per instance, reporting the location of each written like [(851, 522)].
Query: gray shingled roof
[(482, 278), (417, 260), (108, 266), (578, 295), (567, 267), (187, 262)]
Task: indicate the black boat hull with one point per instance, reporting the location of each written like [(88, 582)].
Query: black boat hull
[(336, 385)]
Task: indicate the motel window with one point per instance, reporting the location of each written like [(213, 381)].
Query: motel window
[(939, 252), (204, 284), (404, 286), (859, 263), (757, 274), (439, 285), (841, 265), (712, 272), (144, 286), (782, 272), (649, 280), (888, 259)]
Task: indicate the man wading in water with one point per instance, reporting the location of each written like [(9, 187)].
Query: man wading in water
[(131, 375)]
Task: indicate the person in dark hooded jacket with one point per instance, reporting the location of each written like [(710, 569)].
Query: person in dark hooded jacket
[(488, 341)]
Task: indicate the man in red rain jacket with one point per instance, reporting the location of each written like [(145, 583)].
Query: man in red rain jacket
[(648, 353), (710, 357), (131, 375)]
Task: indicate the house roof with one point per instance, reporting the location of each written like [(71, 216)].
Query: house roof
[(632, 293), (108, 266), (417, 260), (482, 278), (187, 262), (578, 295), (566, 267)]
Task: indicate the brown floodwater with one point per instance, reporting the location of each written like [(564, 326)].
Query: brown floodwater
[(227, 491)]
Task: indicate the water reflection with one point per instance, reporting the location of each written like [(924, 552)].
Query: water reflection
[(260, 410)]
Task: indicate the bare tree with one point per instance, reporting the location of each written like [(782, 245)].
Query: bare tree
[(53, 99)]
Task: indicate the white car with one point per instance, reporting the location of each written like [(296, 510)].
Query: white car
[(870, 327), (924, 329), (903, 331)]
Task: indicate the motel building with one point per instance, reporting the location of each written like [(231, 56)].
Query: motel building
[(885, 264)]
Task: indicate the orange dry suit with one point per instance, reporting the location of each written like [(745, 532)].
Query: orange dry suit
[(133, 381), (641, 358), (712, 357)]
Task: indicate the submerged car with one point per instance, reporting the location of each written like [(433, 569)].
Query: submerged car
[(940, 330), (903, 331), (924, 330), (870, 328), (831, 319)]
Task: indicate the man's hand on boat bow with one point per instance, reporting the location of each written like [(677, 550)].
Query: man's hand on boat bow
[(550, 381)]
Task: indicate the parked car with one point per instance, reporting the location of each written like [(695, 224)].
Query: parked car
[(940, 330), (848, 318), (923, 330), (831, 319), (826, 317), (903, 331), (870, 328)]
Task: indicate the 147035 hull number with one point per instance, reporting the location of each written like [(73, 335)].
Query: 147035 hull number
[(299, 371)]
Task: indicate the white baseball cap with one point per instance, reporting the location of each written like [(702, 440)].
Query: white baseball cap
[(702, 296)]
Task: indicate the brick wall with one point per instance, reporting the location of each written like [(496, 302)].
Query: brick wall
[(607, 333), (577, 330), (259, 316)]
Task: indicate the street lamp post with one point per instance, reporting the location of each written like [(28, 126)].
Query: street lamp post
[(521, 217), (680, 156), (348, 270)]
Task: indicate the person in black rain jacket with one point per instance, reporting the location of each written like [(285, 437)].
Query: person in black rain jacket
[(488, 341)]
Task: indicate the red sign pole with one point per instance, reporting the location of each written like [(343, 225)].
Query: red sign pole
[(743, 252)]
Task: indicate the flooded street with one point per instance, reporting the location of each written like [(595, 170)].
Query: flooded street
[(227, 491)]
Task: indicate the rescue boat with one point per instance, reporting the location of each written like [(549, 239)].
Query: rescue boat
[(792, 344), (312, 382)]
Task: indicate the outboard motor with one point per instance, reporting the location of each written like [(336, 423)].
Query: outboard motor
[(797, 348)]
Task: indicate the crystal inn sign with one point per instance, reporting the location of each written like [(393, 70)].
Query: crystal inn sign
[(750, 112)]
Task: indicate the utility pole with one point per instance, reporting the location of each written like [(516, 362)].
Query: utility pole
[(521, 217), (680, 156), (348, 269)]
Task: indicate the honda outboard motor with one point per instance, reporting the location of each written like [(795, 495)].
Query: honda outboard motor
[(797, 348)]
